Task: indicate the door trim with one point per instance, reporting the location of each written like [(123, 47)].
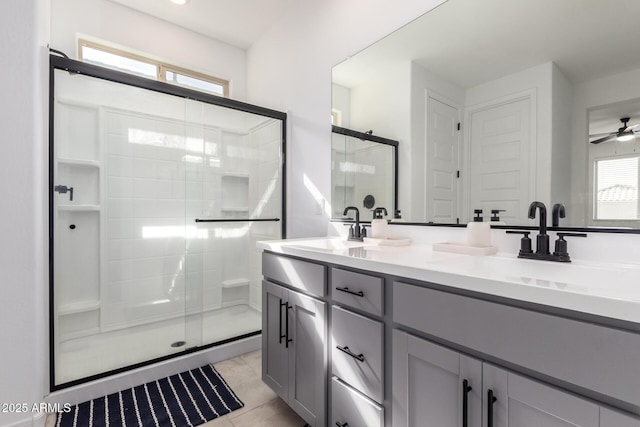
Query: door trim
[(430, 93)]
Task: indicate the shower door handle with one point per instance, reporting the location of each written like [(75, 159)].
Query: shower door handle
[(280, 321)]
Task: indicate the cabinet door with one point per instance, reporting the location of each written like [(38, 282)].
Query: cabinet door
[(521, 402), (428, 385), (275, 371), (307, 357)]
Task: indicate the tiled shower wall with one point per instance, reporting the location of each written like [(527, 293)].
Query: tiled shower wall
[(160, 176)]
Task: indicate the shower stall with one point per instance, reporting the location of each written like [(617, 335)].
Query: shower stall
[(158, 194)]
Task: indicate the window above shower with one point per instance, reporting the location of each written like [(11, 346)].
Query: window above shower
[(139, 65)]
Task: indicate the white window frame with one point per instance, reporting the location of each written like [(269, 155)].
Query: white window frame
[(594, 195), (161, 67)]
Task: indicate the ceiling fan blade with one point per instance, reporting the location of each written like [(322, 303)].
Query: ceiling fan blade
[(605, 139), (632, 127), (596, 135)]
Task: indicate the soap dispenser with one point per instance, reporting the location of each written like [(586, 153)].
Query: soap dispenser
[(379, 228), (478, 232)]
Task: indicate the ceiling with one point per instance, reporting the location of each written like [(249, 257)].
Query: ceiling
[(469, 42), (236, 22)]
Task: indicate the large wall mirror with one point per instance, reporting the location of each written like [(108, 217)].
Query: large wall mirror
[(498, 103)]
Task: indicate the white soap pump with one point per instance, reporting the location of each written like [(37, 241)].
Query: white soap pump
[(379, 228)]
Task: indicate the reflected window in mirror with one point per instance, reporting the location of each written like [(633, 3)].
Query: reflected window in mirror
[(617, 183), (614, 159)]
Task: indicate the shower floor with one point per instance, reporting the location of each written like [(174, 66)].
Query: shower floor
[(82, 357)]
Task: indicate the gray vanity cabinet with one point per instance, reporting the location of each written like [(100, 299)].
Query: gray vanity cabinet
[(429, 377), (429, 385), (294, 337), (275, 367), (521, 402), (434, 383)]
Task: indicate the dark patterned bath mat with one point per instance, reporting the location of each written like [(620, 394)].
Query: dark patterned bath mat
[(186, 399)]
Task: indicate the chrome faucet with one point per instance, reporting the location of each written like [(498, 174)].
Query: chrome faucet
[(542, 241), (356, 232)]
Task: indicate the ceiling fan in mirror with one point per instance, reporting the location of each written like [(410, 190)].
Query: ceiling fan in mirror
[(625, 133)]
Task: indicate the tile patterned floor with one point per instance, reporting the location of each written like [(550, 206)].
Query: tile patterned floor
[(262, 407)]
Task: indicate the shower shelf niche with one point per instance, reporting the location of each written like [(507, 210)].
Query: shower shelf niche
[(81, 175), (234, 209), (78, 307), (79, 162), (235, 283), (79, 208), (235, 292), (235, 193)]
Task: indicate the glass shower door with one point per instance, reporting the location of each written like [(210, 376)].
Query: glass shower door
[(234, 199), (118, 222), (157, 202)]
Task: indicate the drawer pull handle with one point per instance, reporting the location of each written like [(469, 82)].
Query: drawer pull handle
[(491, 399), (345, 349), (347, 290), (466, 388), (339, 424)]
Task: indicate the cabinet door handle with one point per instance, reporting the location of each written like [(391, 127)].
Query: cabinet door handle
[(345, 349), (491, 399), (286, 325), (466, 388), (339, 424), (347, 290), (280, 321)]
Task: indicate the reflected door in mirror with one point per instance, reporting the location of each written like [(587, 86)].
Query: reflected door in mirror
[(500, 143)]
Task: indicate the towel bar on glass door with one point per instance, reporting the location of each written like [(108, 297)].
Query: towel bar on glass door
[(238, 220)]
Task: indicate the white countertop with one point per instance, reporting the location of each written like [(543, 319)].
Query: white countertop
[(609, 290)]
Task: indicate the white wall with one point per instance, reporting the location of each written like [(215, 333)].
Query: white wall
[(341, 101), (383, 105), (23, 217), (128, 28), (289, 68), (562, 103)]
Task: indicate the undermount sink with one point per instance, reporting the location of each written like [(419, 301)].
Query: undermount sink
[(568, 276)]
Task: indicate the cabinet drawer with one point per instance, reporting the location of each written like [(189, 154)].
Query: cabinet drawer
[(357, 352), (348, 407), (357, 290), (306, 276), (591, 356)]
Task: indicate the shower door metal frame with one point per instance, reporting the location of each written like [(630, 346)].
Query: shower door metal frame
[(380, 140), (75, 67)]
